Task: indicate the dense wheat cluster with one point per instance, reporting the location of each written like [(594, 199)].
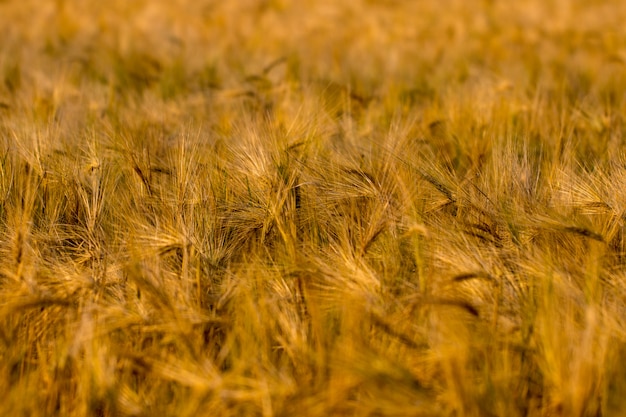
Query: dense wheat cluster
[(312, 208)]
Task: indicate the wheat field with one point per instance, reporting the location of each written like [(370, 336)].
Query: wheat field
[(312, 208)]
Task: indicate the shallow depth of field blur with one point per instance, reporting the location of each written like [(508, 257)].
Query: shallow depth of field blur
[(313, 208)]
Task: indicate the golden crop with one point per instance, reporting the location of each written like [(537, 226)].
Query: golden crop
[(312, 208)]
